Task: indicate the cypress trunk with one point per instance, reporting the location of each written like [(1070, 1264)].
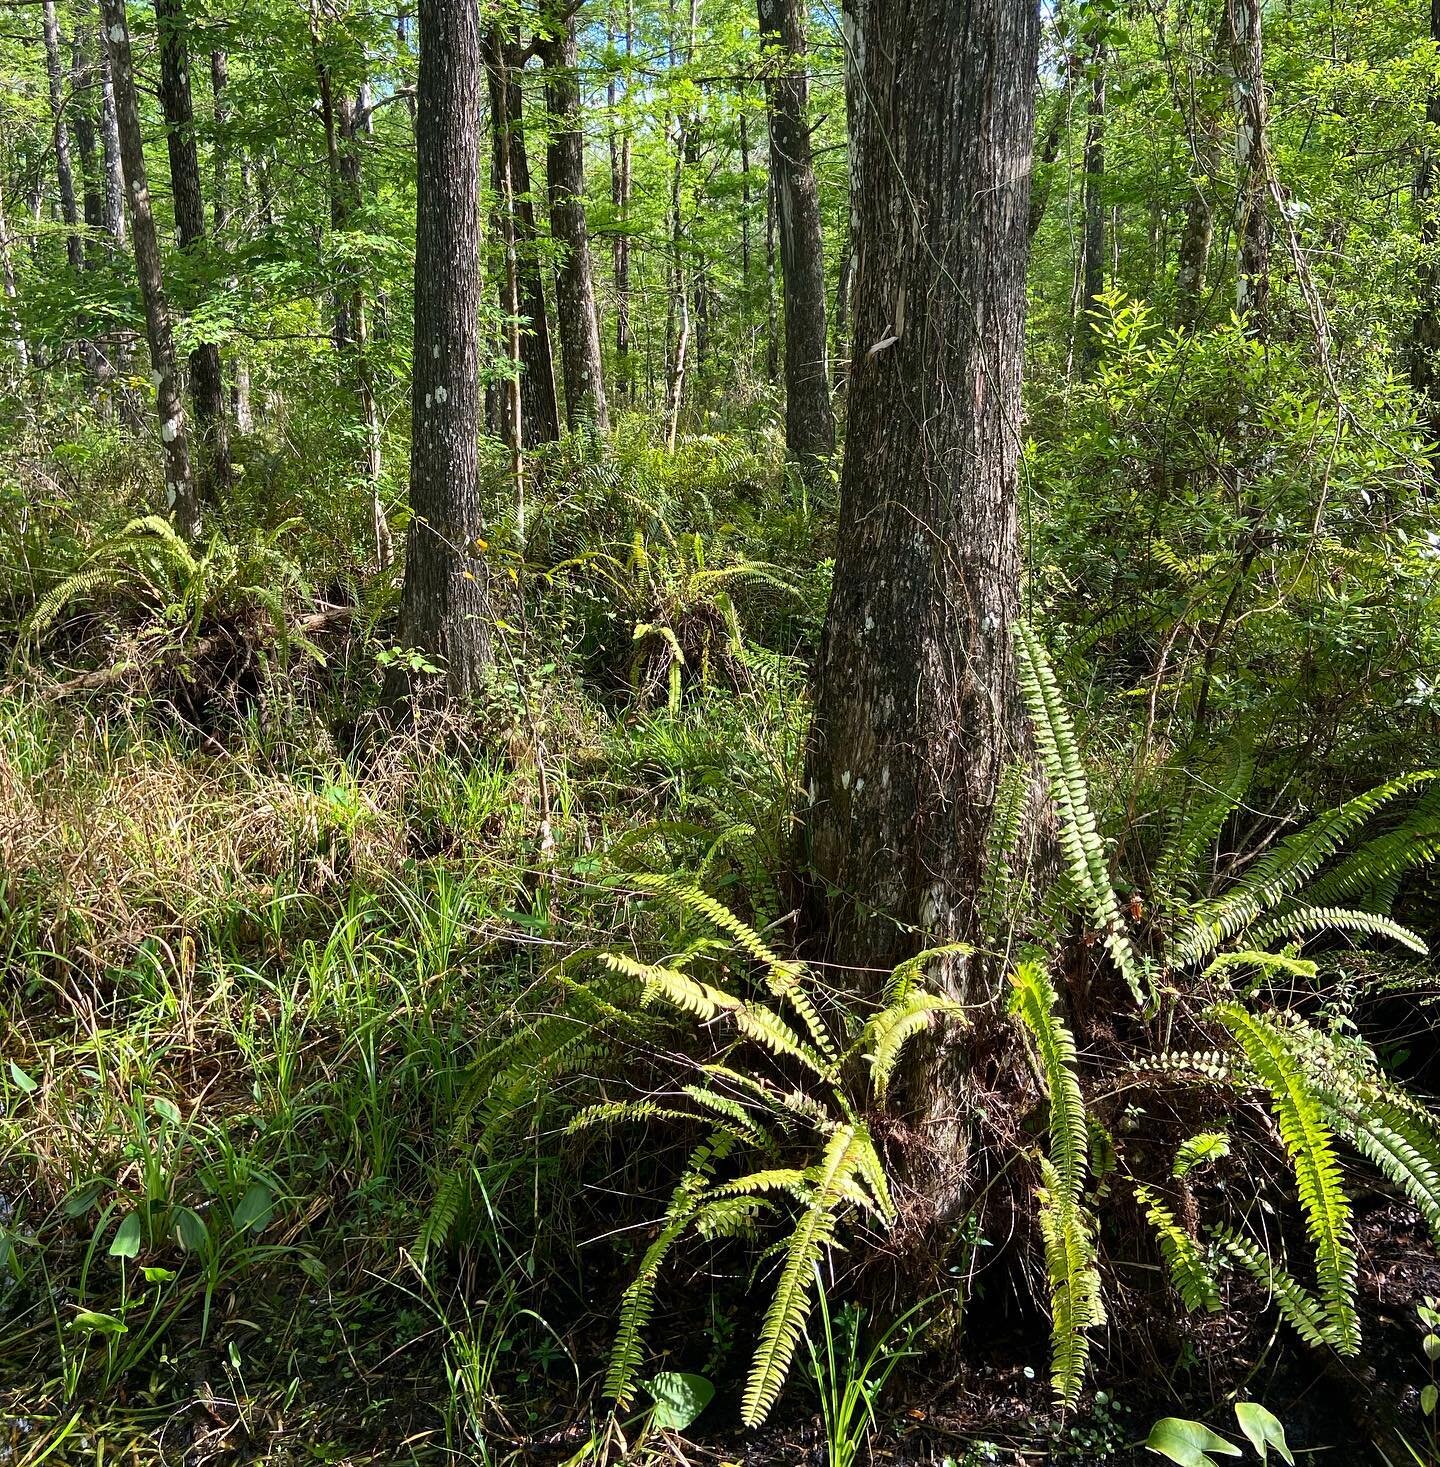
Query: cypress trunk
[(444, 606), (917, 709)]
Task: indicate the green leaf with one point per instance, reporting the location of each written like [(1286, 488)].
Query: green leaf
[(83, 1198), (255, 1209), (1428, 1398), (126, 1243), (1264, 1430), (1188, 1443), (167, 1110), (679, 1399), (1431, 1345), (26, 1084), (156, 1275), (190, 1230), (97, 1323)]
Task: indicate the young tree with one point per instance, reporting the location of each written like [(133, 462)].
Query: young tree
[(1423, 356), (110, 147), (444, 608), (1197, 233), (917, 710), (207, 378), (1247, 61), (809, 419), (575, 310), (64, 169), (621, 174), (179, 480), (1092, 282)]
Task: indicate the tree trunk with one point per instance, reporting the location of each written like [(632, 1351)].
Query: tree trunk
[(110, 146), (1093, 204), (620, 184), (772, 308), (444, 606), (82, 107), (1424, 353), (7, 286), (809, 419), (575, 310), (207, 379), (1247, 60), (223, 208), (540, 402), (917, 708), (1043, 174), (179, 481), (60, 135), (1198, 232)]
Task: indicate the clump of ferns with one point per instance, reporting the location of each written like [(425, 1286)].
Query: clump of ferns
[(783, 1100), (147, 569)]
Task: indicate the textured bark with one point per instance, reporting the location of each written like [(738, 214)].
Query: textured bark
[(1252, 225), (539, 399), (7, 287), (809, 418), (917, 709), (207, 379), (179, 480), (772, 308), (60, 134), (1093, 276), (223, 208), (575, 311), (444, 607), (1197, 235), (110, 146), (1424, 346), (83, 96), (620, 186)]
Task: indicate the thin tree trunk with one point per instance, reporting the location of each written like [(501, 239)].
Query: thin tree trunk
[(444, 607), (772, 310), (1247, 59), (1093, 205), (60, 135), (110, 145), (179, 481), (917, 706), (1424, 348), (507, 117), (7, 285), (83, 92), (809, 418), (1043, 178), (1197, 234), (575, 309), (224, 210), (207, 378), (620, 185)]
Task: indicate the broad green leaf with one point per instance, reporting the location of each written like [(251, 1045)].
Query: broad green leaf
[(155, 1275), (84, 1197), (97, 1323), (190, 1230), (255, 1209), (1264, 1430), (26, 1084), (1428, 1397), (1188, 1443), (679, 1399), (167, 1110), (126, 1243)]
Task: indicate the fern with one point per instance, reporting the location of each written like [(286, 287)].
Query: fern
[(1076, 829), (892, 1029), (1190, 1271), (1309, 1317), (1309, 1143), (1034, 1000)]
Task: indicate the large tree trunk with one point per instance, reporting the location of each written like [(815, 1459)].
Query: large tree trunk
[(179, 481), (1093, 271), (1252, 225), (64, 170), (444, 607), (1424, 352), (809, 419), (575, 310), (917, 711), (539, 400), (207, 379)]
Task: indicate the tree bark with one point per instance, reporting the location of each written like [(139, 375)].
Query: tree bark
[(60, 136), (1198, 232), (444, 609), (772, 307), (575, 309), (1093, 204), (540, 401), (82, 105), (809, 418), (207, 379), (1247, 60), (110, 146), (917, 710), (7, 287), (179, 480), (1424, 346), (620, 186)]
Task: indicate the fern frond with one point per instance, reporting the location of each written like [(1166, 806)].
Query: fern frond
[(444, 1212), (889, 1031), (1075, 1302), (1309, 1143), (1034, 1001), (1076, 829), (1190, 1271), (1301, 920), (1306, 1314)]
